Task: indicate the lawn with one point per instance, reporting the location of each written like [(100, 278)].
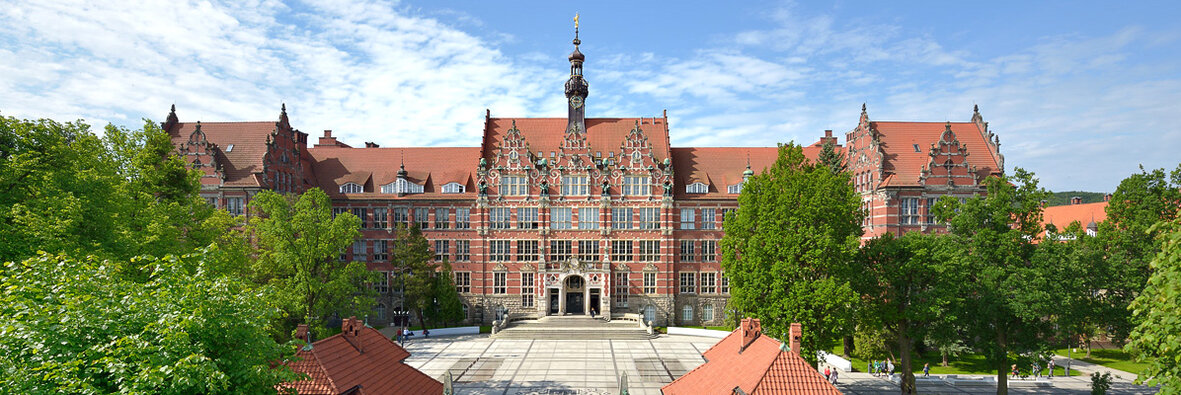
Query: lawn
[(964, 364), (1112, 358)]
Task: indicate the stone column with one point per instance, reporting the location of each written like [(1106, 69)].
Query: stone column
[(562, 298)]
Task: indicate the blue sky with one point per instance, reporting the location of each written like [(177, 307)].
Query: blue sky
[(1081, 93)]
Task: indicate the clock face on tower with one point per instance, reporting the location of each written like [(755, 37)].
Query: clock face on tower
[(575, 102)]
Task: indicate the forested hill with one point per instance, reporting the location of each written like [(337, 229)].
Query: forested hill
[(1063, 198)]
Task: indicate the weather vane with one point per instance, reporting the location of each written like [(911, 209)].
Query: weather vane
[(576, 20)]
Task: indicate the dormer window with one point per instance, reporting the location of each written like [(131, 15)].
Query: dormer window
[(401, 186), (453, 187), (230, 148), (351, 187), (697, 187), (735, 189)]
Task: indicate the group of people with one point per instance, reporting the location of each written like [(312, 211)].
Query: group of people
[(830, 374), (405, 333), (880, 368), (1036, 369)]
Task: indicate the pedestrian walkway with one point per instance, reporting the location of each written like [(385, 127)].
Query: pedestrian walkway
[(865, 383), (573, 327), (1087, 368)]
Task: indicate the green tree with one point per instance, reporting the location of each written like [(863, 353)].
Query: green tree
[(1007, 294), (1076, 260), (1158, 309), (414, 260), (448, 309), (830, 157), (786, 248), (299, 242)]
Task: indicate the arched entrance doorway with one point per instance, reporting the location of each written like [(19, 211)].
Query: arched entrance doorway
[(575, 287)]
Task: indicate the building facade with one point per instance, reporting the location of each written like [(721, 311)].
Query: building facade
[(567, 215)]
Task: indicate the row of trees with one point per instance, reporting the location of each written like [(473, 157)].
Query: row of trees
[(993, 283), (118, 277)]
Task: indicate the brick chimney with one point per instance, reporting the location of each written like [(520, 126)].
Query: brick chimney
[(828, 137), (350, 329), (1107, 197), (796, 333), (1076, 200), (751, 328), (327, 139)]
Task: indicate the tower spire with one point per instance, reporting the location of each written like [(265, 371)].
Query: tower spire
[(576, 87)]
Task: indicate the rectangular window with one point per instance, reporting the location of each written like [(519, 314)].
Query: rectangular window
[(688, 222), (234, 205), (527, 251), (649, 283), (360, 214), (381, 217), (621, 250), (527, 290), (724, 284), (382, 285), (500, 217), (621, 289), (463, 282), (463, 218), (650, 218), (909, 211), (931, 213), (422, 217), (498, 251), (442, 218), (463, 250), (709, 250), (359, 253), (402, 216), (527, 218), (726, 214), (588, 218), (688, 283), (636, 186), (499, 283), (381, 250), (575, 186), (686, 313), (708, 282), (442, 250), (621, 218), (687, 252), (559, 250), (649, 250), (709, 218), (513, 186), (588, 251), (560, 218), (338, 211)]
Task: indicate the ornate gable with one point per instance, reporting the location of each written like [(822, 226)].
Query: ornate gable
[(201, 154), (513, 158), (636, 158), (948, 165)]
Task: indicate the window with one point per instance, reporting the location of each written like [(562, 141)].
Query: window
[(234, 205), (498, 251), (650, 218), (559, 250), (588, 251), (527, 218), (442, 250), (350, 187), (401, 186), (588, 218), (726, 213), (463, 218), (697, 187), (463, 282), (527, 250), (500, 217), (649, 283), (527, 290), (212, 201), (621, 250), (688, 283), (621, 218), (499, 282), (708, 282), (724, 285), (687, 253), (453, 187), (422, 217), (382, 286), (463, 250), (930, 212), (401, 216), (636, 186), (621, 289), (707, 313), (381, 218), (909, 211), (649, 250), (359, 253), (709, 250), (687, 220), (360, 214), (735, 189), (575, 186), (687, 313), (513, 186), (381, 250), (338, 211), (560, 218), (649, 314), (709, 218), (442, 218)]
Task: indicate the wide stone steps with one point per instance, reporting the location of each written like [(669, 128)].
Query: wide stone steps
[(573, 328)]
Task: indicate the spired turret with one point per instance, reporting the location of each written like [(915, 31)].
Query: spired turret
[(576, 88)]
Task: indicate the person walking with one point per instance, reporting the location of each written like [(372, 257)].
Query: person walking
[(1050, 366), (926, 370), (833, 378), (890, 367), (1014, 370), (827, 373), (1036, 369)]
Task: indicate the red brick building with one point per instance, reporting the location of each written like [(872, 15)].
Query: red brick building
[(564, 215)]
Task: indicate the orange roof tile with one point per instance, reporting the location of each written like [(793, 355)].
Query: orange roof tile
[(337, 364), (720, 167), (602, 134), (249, 141), (899, 138), (1062, 216), (431, 167)]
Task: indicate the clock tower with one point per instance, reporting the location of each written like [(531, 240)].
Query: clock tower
[(576, 88)]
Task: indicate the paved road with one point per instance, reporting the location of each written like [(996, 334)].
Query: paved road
[(864, 383)]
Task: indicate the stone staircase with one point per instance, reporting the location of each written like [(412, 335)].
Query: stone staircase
[(573, 328)]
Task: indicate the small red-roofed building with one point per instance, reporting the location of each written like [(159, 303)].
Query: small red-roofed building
[(749, 362), (359, 360), (1088, 215)]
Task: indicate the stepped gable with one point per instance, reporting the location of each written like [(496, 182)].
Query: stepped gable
[(603, 135), (721, 167), (249, 140), (751, 362), (431, 167), (905, 166), (358, 360)]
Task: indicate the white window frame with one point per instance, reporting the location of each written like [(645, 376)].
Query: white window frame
[(561, 218), (687, 313), (454, 187), (527, 283), (528, 218), (649, 217), (689, 218), (621, 218), (588, 218), (697, 187), (637, 185), (650, 283), (709, 218), (500, 218), (500, 283), (351, 187), (513, 186), (575, 185), (687, 283), (621, 288), (401, 186)]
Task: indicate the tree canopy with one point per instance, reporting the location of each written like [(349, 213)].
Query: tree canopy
[(1158, 310)]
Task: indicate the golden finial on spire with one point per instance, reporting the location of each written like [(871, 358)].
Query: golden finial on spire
[(576, 20)]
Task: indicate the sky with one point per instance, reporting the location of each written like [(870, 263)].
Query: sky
[(1080, 93)]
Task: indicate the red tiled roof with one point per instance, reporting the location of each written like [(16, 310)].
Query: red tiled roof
[(337, 364), (249, 140), (431, 167), (765, 366), (1062, 216), (898, 140), (602, 134), (720, 167)]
